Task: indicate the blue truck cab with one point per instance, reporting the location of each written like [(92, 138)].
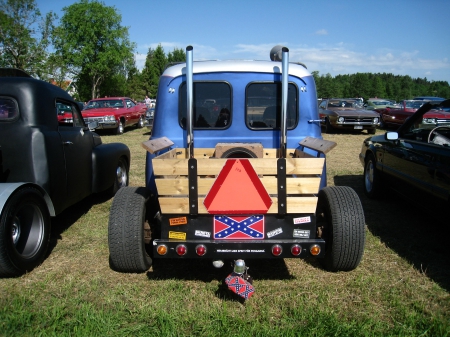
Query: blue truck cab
[(236, 170)]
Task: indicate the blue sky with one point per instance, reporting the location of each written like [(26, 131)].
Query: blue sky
[(403, 37)]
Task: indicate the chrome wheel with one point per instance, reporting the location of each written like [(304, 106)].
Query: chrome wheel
[(121, 174), (368, 176)]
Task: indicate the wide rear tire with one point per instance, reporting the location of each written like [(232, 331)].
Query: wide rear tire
[(126, 234), (341, 216), (24, 232)]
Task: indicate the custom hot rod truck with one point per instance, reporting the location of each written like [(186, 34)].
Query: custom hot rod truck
[(45, 166), (236, 170)]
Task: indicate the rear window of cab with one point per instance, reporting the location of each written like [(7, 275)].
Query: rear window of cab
[(212, 105), (263, 105)]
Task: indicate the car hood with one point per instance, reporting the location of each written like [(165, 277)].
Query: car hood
[(99, 112), (354, 112), (437, 114)]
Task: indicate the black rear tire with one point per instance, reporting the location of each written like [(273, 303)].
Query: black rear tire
[(340, 213), (328, 127), (24, 232), (126, 235)]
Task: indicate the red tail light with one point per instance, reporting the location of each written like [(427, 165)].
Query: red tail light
[(200, 250), (296, 250), (181, 250), (277, 250)]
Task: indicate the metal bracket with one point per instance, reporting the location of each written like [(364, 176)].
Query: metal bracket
[(193, 186), (281, 182)]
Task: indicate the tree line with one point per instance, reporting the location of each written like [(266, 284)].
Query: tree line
[(89, 46), (92, 48), (368, 85)]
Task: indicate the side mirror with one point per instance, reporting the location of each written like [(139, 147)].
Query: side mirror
[(391, 135)]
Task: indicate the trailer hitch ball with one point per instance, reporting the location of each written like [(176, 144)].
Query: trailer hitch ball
[(239, 267)]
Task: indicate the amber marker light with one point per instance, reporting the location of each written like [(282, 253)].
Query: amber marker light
[(315, 250), (162, 249)]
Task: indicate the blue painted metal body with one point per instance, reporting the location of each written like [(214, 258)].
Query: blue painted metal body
[(166, 117)]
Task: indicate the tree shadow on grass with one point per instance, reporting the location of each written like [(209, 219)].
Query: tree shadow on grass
[(412, 225)]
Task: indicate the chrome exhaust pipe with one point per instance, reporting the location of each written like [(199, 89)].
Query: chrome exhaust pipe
[(190, 101), (284, 99)]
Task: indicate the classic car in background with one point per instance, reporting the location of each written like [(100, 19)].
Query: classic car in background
[(46, 166), (347, 114), (429, 98), (394, 117), (417, 157), (378, 103), (115, 113)]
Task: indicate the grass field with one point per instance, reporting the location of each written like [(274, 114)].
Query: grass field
[(401, 287)]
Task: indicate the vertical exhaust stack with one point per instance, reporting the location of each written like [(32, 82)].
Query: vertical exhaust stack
[(190, 101), (284, 98)]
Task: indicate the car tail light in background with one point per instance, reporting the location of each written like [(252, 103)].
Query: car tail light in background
[(296, 250), (277, 250), (162, 249), (181, 250), (314, 250), (200, 250)]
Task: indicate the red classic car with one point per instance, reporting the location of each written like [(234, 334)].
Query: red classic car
[(394, 117), (115, 113)]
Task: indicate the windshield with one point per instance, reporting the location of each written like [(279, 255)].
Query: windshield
[(113, 103), (342, 104), (381, 102), (413, 104)]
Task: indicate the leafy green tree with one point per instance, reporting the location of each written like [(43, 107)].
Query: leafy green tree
[(155, 64), (177, 55), (24, 36), (93, 43)]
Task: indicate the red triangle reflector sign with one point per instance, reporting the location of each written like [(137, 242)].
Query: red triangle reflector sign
[(237, 190)]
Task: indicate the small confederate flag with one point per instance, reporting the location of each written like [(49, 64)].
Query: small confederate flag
[(239, 286), (238, 227)]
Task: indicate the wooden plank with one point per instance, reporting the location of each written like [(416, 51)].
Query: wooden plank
[(180, 186), (171, 154), (158, 144), (255, 148), (294, 205), (319, 145), (265, 166)]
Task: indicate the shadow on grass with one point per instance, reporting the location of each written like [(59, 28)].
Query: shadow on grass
[(203, 270), (415, 227), (68, 217)]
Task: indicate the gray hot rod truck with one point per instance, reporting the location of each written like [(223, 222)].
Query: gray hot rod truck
[(45, 166), (236, 170)]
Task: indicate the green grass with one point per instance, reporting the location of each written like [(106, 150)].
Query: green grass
[(401, 287)]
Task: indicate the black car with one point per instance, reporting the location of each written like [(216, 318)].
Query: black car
[(46, 166), (417, 156)]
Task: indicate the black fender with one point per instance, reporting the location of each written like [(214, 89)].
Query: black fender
[(104, 163)]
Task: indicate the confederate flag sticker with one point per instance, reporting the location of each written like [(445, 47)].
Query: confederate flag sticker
[(239, 227)]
